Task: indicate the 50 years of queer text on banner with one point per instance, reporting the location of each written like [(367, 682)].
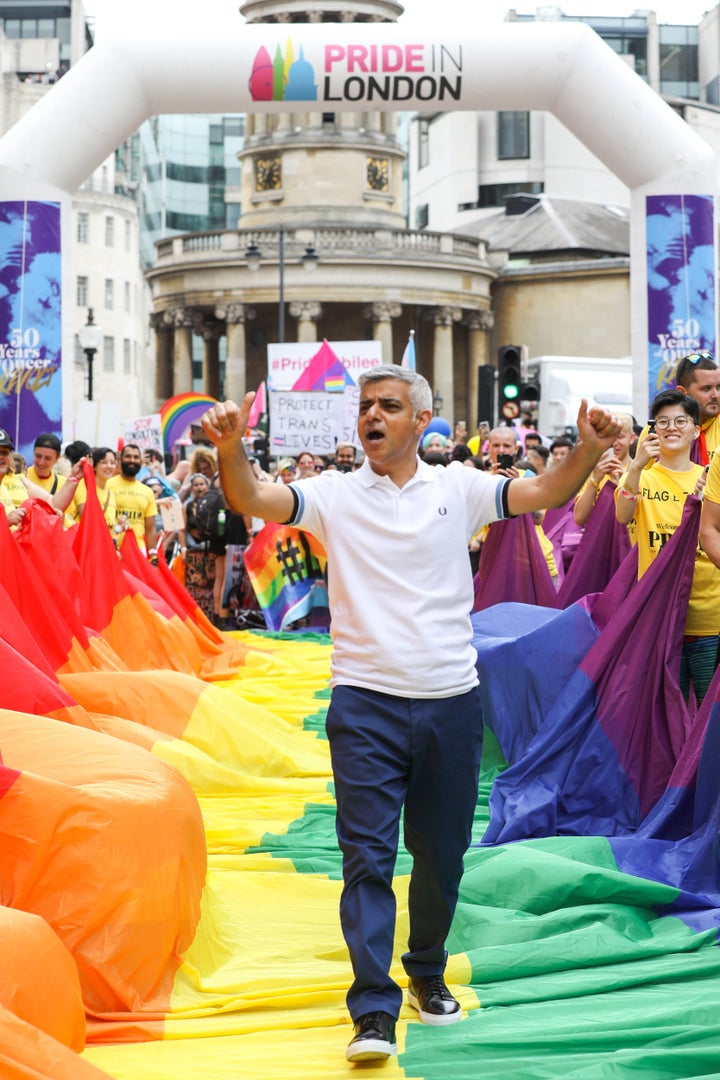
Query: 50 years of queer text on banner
[(30, 321)]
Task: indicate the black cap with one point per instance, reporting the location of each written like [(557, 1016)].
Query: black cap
[(5, 439), (49, 441)]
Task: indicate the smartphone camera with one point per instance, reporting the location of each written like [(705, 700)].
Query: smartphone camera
[(651, 427), (505, 461)]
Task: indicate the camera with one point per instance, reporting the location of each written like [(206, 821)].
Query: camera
[(651, 427), (505, 461)]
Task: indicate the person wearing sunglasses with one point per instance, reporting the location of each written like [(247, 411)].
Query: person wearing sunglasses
[(652, 494), (699, 376)]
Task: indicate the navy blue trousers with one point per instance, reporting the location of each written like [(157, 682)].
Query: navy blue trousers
[(389, 752)]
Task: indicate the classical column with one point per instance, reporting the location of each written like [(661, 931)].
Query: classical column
[(307, 313), (444, 379), (210, 332), (479, 324), (382, 313), (163, 356), (235, 316), (182, 350)]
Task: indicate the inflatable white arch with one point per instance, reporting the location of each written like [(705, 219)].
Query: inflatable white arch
[(565, 69)]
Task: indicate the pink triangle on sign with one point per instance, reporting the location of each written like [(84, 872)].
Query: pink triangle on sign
[(323, 365)]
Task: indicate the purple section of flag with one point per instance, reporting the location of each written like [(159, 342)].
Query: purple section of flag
[(512, 567), (30, 321), (605, 747), (603, 546)]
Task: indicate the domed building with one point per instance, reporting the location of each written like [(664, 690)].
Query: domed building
[(320, 191)]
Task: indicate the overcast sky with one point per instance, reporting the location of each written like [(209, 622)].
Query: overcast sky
[(416, 11)]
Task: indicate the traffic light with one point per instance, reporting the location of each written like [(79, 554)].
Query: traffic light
[(486, 394), (509, 367), (530, 391)]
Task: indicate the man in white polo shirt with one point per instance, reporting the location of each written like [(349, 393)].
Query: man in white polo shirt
[(404, 721)]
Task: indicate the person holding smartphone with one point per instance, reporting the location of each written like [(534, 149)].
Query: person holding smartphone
[(652, 493)]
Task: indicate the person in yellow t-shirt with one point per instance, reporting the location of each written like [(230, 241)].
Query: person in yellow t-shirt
[(15, 489), (654, 497), (611, 466), (46, 454), (135, 506), (699, 377)]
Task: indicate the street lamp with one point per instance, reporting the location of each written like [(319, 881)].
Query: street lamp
[(309, 259), (438, 402), (91, 339)]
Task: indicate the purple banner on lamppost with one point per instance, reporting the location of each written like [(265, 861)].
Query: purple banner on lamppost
[(30, 322), (681, 283)]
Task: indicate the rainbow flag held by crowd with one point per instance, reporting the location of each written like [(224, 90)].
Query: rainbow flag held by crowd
[(170, 874)]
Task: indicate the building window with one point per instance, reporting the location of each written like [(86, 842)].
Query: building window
[(422, 216), (81, 292), (104, 182), (109, 231), (128, 236), (423, 143), (513, 135), (127, 296), (108, 354), (679, 75), (109, 294), (496, 194), (83, 228), (127, 355)]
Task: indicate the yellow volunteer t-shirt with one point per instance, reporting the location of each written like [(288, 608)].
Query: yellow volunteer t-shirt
[(14, 489), (658, 513), (712, 484), (47, 483), (133, 503)]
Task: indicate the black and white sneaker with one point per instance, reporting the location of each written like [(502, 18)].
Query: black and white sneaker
[(432, 999), (374, 1038)]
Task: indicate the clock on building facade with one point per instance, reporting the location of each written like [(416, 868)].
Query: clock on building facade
[(377, 173), (267, 173)]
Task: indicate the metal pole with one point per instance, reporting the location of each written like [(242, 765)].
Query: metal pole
[(281, 313), (90, 353)]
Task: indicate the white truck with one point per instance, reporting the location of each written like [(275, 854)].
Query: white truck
[(565, 380)]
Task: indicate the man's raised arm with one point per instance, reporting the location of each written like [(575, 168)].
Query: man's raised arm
[(225, 424), (597, 430)]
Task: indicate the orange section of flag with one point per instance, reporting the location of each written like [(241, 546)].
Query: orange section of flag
[(40, 982), (26, 1053), (106, 843)]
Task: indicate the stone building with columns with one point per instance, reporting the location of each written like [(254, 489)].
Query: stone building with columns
[(321, 191)]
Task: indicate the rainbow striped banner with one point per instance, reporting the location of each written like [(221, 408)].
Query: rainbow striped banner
[(178, 412)]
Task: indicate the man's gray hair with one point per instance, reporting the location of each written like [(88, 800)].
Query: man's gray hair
[(420, 394)]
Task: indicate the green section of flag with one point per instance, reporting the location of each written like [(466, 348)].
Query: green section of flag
[(577, 974)]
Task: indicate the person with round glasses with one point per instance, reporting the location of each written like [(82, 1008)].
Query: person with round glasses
[(652, 494), (698, 376)]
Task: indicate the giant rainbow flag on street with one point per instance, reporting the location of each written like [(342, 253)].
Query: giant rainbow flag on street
[(169, 870)]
